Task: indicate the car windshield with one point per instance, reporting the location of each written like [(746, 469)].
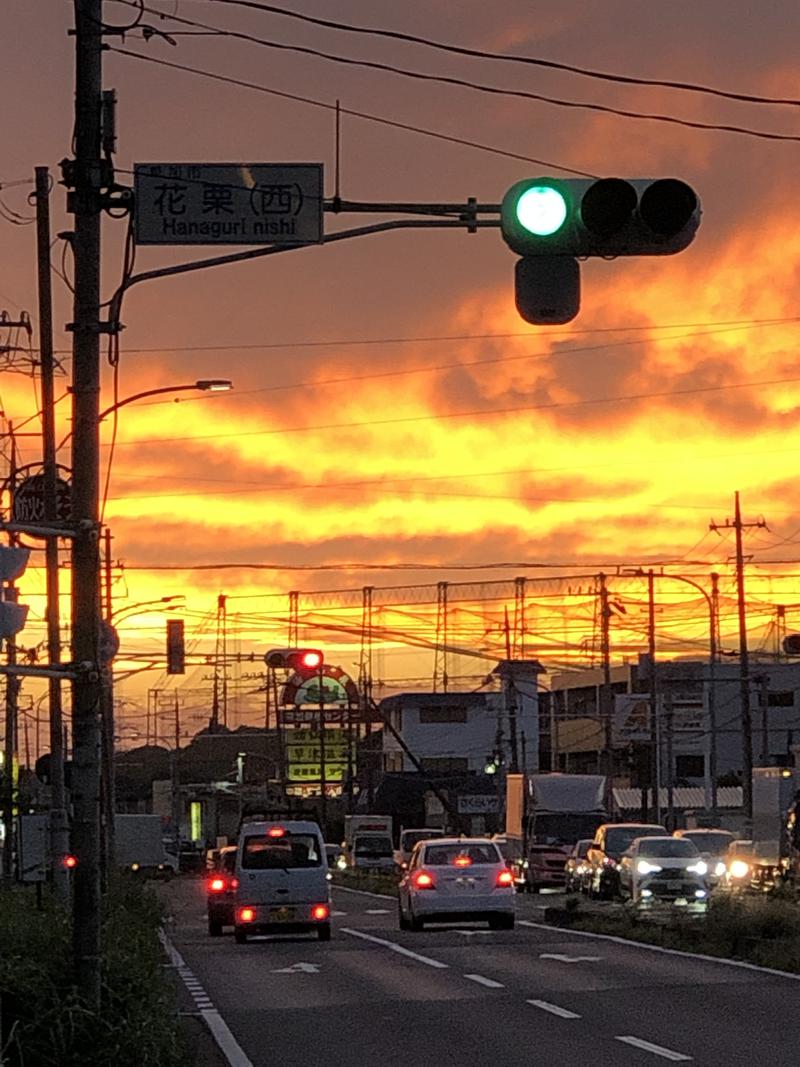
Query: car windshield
[(667, 848), (366, 845), (450, 855), (264, 852), (581, 849), (713, 843), (618, 838)]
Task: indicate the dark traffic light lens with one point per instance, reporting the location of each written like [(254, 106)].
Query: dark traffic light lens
[(607, 205), (667, 205)]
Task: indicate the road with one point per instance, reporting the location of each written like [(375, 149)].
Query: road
[(465, 996)]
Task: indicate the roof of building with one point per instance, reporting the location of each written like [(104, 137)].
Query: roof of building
[(471, 699), (685, 798)]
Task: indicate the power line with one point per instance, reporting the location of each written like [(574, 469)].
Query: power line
[(569, 68), (473, 413), (449, 138), (479, 87)]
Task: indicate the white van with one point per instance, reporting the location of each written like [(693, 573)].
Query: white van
[(283, 885)]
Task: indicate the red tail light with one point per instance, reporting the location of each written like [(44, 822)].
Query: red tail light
[(216, 885), (276, 831), (69, 862), (320, 912), (246, 915), (462, 861), (505, 878), (234, 883), (423, 880)]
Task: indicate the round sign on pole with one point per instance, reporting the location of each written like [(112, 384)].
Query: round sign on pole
[(28, 500)]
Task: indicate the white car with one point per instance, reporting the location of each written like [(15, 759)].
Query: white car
[(663, 868), (456, 879)]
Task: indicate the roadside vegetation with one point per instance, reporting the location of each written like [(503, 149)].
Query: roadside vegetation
[(763, 929), (42, 1021), (384, 882)]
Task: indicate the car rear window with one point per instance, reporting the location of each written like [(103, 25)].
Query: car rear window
[(263, 852), (447, 855), (714, 842), (380, 845)]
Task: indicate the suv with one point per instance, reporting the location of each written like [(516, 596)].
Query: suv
[(605, 852)]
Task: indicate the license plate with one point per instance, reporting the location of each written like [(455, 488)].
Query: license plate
[(281, 915)]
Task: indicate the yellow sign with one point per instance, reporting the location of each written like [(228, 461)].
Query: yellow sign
[(311, 772)]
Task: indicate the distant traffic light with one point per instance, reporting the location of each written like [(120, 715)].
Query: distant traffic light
[(176, 649), (13, 616), (599, 217), (295, 659)]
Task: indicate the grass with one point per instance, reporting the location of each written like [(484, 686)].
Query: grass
[(368, 881), (764, 929), (45, 1024)]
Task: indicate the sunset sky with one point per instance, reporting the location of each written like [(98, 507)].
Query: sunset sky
[(390, 408)]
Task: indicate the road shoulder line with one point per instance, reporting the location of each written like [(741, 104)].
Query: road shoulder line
[(657, 1050), (226, 1042), (488, 982), (363, 892), (554, 1009), (742, 964)]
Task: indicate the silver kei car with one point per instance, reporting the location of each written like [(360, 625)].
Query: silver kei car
[(455, 880)]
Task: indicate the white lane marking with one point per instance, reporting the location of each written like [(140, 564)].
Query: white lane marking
[(488, 982), (568, 959), (473, 933), (226, 1042), (298, 968), (657, 1050), (659, 948), (362, 892), (554, 1009), (394, 947), (338, 914)]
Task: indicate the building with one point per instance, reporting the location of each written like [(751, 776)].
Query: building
[(698, 720)]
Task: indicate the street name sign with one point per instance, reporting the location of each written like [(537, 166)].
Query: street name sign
[(228, 203)]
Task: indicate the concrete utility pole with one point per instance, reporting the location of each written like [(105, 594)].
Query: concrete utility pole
[(744, 657), (655, 747), (606, 703), (86, 174), (11, 708), (59, 826)]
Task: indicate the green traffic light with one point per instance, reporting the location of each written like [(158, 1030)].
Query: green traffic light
[(541, 210)]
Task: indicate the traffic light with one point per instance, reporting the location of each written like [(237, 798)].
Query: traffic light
[(13, 616), (176, 649), (295, 659), (599, 216)]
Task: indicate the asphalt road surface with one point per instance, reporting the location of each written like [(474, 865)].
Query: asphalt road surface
[(460, 995)]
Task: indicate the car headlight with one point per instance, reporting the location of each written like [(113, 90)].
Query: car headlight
[(643, 867), (739, 869), (720, 869), (701, 867)]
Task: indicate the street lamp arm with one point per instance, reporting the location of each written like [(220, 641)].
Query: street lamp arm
[(204, 385)]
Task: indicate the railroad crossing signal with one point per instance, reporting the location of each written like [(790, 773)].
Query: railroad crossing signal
[(551, 222), (13, 616), (295, 659)]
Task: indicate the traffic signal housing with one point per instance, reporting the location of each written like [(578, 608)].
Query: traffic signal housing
[(13, 616), (599, 216), (295, 659), (176, 647)]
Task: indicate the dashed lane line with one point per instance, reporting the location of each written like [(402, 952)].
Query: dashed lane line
[(554, 1009), (394, 947), (657, 1050), (226, 1042), (488, 982), (362, 892)]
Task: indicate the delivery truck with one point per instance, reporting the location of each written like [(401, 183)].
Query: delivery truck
[(139, 846), (368, 842)]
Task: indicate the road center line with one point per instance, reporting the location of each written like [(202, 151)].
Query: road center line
[(394, 947), (488, 982), (657, 1050), (554, 1009)]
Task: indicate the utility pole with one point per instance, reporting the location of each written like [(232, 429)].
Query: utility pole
[(744, 659), (323, 776), (655, 753), (176, 781), (59, 824), (12, 699), (108, 792), (713, 653), (85, 174), (605, 688)]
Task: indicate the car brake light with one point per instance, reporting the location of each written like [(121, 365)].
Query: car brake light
[(505, 878), (234, 883), (320, 911), (423, 880), (246, 915), (216, 885), (462, 861), (276, 831)]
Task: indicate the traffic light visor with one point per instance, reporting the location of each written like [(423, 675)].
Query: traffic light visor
[(541, 210)]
